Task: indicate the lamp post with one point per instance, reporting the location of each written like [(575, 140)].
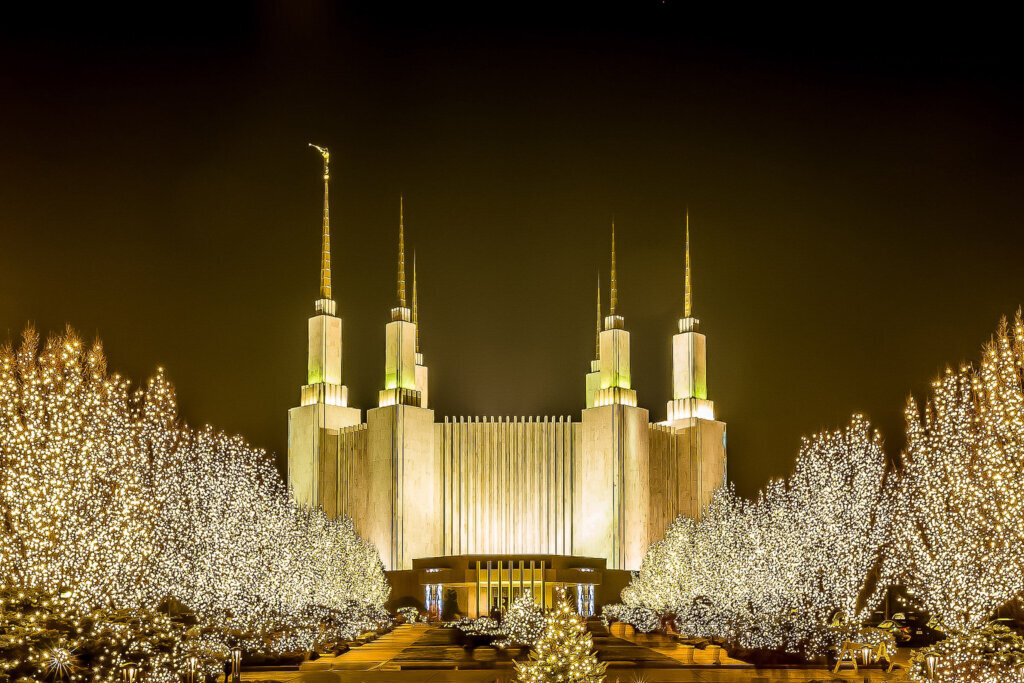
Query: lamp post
[(236, 665), (129, 672), (865, 654), (192, 664), (931, 660)]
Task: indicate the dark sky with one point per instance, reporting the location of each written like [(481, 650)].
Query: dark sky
[(854, 186)]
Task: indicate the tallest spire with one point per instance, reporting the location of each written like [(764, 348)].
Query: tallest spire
[(325, 251), (688, 292), (401, 251)]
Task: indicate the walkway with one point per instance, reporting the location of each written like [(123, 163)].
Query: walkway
[(406, 654), (685, 656), (372, 655)]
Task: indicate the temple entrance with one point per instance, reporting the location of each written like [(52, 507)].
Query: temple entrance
[(473, 586)]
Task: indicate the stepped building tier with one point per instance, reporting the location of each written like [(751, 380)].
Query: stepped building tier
[(470, 511)]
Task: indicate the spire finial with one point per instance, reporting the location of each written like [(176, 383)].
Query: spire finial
[(415, 303), (401, 251), (325, 251), (688, 294), (615, 291), (597, 344)]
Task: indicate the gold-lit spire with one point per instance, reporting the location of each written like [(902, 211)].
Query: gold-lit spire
[(401, 252), (325, 251), (597, 339), (415, 304), (615, 291), (688, 293)]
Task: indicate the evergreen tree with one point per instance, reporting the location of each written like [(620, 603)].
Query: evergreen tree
[(524, 621), (564, 653)]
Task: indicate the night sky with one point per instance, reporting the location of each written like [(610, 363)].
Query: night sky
[(854, 193)]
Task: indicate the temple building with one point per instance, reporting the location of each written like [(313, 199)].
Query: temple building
[(467, 512)]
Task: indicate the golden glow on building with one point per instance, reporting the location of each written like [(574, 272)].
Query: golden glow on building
[(600, 485)]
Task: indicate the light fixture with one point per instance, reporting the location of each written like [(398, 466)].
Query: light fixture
[(193, 665), (931, 660), (236, 665)]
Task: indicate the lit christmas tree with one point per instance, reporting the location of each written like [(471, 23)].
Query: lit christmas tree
[(564, 652), (524, 621)]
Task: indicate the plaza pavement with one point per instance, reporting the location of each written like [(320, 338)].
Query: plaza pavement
[(396, 656)]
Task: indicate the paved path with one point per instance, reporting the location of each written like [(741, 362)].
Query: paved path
[(685, 656), (372, 655), (375, 663), (619, 676)]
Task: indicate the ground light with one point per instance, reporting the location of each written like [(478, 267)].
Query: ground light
[(931, 660), (236, 665), (129, 672)]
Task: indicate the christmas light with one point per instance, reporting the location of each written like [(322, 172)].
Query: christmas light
[(108, 502), (947, 522), (773, 573), (523, 622), (958, 503), (960, 496), (564, 652), (991, 653)]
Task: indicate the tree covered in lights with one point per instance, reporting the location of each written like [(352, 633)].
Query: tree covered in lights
[(771, 573), (991, 653), (959, 538), (564, 652), (107, 496), (640, 617), (55, 637), (775, 572), (524, 621)]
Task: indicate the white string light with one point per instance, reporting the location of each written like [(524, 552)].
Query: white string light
[(774, 573), (107, 497)]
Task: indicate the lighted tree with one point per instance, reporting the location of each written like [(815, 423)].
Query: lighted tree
[(564, 652), (53, 638), (958, 504), (991, 653), (524, 620), (73, 472), (825, 534), (773, 572), (104, 492)]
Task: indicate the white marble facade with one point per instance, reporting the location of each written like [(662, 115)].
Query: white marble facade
[(604, 485)]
